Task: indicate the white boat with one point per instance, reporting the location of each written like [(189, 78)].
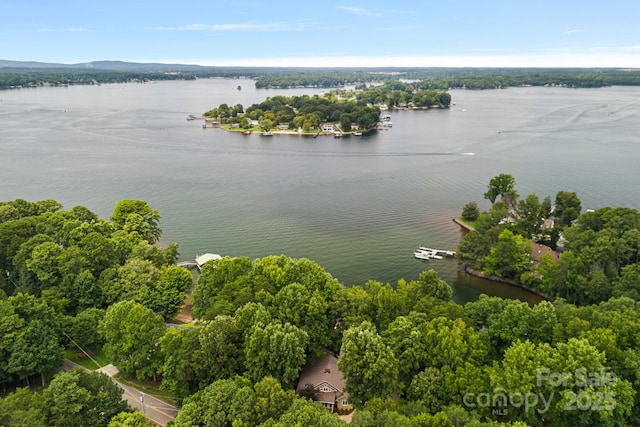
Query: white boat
[(267, 133), (421, 255), (357, 134)]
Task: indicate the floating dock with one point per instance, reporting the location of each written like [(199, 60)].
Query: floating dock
[(429, 253)]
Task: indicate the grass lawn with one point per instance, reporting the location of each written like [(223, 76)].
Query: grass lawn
[(99, 356), (467, 222), (78, 357), (149, 387)]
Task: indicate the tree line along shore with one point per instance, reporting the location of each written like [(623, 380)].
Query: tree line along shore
[(408, 354), (437, 78)]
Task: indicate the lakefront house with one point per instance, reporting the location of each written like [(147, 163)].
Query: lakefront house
[(324, 381)]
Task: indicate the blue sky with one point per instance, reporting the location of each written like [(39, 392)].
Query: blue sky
[(585, 33)]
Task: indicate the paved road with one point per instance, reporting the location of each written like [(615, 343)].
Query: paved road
[(155, 409)]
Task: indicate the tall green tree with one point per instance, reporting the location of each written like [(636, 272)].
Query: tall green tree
[(132, 332), (136, 216), (185, 368), (84, 328), (567, 207), (222, 344), (23, 407), (11, 328), (223, 403), (271, 400), (79, 398), (502, 185), (518, 321), (470, 211), (276, 350), (172, 285), (369, 366), (419, 343), (510, 257), (36, 351), (529, 215)]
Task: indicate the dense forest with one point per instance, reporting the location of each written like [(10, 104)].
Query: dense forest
[(345, 108), (448, 78), (18, 77), (410, 356), (432, 78)]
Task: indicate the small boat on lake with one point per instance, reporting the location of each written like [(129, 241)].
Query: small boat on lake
[(421, 255)]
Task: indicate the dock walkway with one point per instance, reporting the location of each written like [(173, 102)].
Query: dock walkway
[(187, 264)]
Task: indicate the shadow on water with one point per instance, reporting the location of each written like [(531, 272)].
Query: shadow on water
[(469, 288)]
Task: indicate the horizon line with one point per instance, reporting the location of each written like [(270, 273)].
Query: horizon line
[(557, 60)]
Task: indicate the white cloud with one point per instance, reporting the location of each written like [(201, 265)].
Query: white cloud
[(58, 30), (359, 11), (571, 32), (246, 26)]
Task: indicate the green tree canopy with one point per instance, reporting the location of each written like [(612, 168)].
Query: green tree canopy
[(567, 206), (132, 332), (138, 217), (501, 185), (79, 398), (369, 366), (276, 350)]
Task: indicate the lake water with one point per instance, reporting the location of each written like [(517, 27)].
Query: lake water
[(359, 206)]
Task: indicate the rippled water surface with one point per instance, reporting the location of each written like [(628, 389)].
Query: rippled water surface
[(357, 205)]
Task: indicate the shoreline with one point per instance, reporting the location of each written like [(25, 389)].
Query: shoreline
[(463, 225), (477, 273), (296, 133)]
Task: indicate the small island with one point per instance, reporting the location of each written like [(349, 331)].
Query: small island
[(336, 113)]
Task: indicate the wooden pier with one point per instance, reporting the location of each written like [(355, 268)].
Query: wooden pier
[(189, 265)]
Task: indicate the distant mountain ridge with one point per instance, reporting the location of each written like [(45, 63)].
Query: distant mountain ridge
[(104, 65)]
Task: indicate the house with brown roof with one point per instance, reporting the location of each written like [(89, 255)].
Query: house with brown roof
[(325, 382), (538, 250)]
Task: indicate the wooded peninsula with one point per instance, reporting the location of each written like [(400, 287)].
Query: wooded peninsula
[(278, 341)]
